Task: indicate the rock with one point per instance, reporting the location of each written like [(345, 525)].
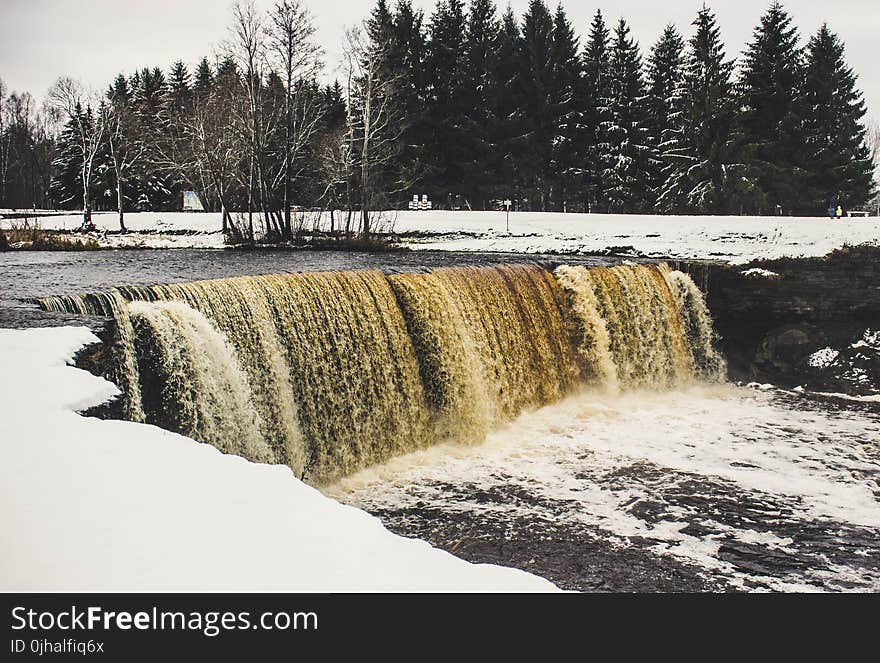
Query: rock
[(770, 326)]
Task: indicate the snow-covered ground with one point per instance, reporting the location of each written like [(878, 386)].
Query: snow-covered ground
[(737, 239), (92, 505)]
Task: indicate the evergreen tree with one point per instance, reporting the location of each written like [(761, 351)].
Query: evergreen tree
[(447, 110), (335, 108), (540, 116), (568, 104), (204, 78), (506, 108), (839, 167), (627, 178), (664, 78), (480, 88), (770, 85), (178, 92), (597, 95), (65, 189), (155, 188), (176, 107), (409, 52), (704, 173)]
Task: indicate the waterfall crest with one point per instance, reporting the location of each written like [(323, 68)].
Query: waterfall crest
[(331, 372)]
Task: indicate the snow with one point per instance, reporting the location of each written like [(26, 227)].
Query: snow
[(823, 358), (92, 505), (737, 239), (734, 239), (757, 272), (870, 339)]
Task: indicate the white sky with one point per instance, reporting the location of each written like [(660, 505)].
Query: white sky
[(93, 40)]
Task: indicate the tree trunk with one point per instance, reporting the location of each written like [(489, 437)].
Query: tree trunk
[(87, 205), (250, 203), (120, 205)]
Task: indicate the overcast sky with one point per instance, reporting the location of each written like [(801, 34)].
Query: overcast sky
[(93, 40)]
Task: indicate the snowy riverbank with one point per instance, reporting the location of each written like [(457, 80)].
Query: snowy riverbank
[(92, 505), (733, 239)]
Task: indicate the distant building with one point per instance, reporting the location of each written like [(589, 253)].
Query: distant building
[(192, 202)]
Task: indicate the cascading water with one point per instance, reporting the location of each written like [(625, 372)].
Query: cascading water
[(331, 372)]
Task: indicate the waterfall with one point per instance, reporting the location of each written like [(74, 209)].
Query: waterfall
[(629, 326), (198, 386), (491, 342), (701, 337), (331, 372)]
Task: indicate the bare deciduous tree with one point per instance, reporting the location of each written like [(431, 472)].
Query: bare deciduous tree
[(372, 116), (126, 143), (298, 58), (246, 45), (68, 100)]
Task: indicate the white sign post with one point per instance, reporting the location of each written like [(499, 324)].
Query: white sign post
[(507, 203)]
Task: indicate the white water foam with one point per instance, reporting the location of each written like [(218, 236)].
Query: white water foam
[(602, 455)]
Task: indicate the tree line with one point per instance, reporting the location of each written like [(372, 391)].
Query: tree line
[(468, 105)]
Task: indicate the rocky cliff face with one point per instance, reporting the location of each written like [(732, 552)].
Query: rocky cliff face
[(792, 322)]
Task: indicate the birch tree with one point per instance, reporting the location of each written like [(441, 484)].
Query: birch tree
[(68, 100), (298, 60), (126, 145), (370, 91)]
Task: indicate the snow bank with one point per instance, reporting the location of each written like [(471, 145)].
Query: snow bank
[(91, 505), (736, 239), (758, 273)]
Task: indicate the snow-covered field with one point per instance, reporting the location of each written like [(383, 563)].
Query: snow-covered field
[(91, 505), (737, 239)]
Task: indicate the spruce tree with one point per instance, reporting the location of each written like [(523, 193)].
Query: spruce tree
[(626, 179), (664, 78), (567, 102), (770, 84), (597, 95), (447, 105), (704, 173), (155, 187), (408, 47), (335, 108), (65, 189), (481, 60), (506, 108), (536, 82), (204, 78), (839, 167), (178, 92)]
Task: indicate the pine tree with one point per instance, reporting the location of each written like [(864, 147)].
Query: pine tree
[(447, 107), (839, 166), (568, 103), (664, 78), (335, 108), (627, 176), (155, 187), (178, 92), (409, 52), (770, 114), (506, 109), (481, 61), (65, 189), (536, 82), (597, 95), (204, 78), (704, 173)]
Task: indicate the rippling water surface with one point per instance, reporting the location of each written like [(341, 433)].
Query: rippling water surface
[(722, 488)]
